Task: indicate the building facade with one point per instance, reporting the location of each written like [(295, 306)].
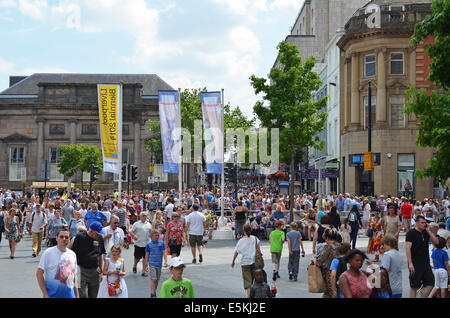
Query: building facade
[(42, 111), (376, 48)]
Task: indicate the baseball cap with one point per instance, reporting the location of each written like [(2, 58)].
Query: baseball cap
[(177, 261), (97, 227), (278, 223)]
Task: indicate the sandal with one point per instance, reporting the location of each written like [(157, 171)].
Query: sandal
[(134, 270)]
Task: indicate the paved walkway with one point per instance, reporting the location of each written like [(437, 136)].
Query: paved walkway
[(213, 278)]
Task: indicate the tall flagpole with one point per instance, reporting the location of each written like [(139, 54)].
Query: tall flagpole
[(222, 185), (180, 168)]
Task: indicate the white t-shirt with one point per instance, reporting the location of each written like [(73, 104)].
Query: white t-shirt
[(196, 220), (83, 213), (246, 246), (108, 216), (116, 238), (38, 221), (142, 231), (169, 210), (60, 270)]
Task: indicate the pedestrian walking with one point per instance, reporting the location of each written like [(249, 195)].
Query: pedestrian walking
[(239, 217), (114, 285), (154, 252), (441, 268), (175, 235), (140, 232), (354, 220), (177, 286), (337, 267), (276, 239), (417, 253), (375, 233), (259, 289), (113, 235), (353, 282), (37, 226), (196, 228), (392, 262), (12, 230), (54, 225), (89, 248), (294, 243), (246, 246), (57, 269)]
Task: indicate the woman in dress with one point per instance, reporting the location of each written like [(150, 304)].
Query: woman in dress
[(114, 271), (158, 221), (377, 234), (354, 283), (12, 230), (312, 222), (175, 235), (345, 231)]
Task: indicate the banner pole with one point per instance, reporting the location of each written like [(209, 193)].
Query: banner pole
[(222, 183), (119, 183), (180, 175)]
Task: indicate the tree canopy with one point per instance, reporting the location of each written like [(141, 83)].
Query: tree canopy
[(78, 157)]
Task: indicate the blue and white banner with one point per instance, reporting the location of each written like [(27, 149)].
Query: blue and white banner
[(170, 121), (213, 125)]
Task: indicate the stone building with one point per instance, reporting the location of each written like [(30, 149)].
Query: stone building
[(41, 111), (376, 47)]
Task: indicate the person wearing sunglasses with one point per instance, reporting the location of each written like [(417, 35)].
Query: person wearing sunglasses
[(57, 269), (114, 235)]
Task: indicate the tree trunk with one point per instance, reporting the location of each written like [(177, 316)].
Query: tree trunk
[(291, 180)]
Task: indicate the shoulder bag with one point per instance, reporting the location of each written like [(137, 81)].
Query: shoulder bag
[(259, 261)]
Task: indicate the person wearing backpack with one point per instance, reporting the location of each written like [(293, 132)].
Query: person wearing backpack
[(354, 220), (337, 267), (37, 226)]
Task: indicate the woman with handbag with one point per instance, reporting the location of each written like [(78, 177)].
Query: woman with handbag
[(327, 254), (175, 235), (12, 230), (249, 248), (113, 286), (375, 234)]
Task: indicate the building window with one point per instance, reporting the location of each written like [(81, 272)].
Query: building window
[(53, 158), (405, 172), (397, 64), (16, 163), (125, 159), (397, 106), (126, 130), (89, 129), (57, 129), (366, 111), (369, 65)]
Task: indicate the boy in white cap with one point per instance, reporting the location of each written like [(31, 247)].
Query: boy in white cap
[(177, 286)]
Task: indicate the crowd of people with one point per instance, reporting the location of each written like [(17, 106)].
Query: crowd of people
[(85, 236)]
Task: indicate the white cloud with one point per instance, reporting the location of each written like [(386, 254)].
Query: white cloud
[(247, 9), (5, 66), (286, 5), (35, 9), (7, 3)]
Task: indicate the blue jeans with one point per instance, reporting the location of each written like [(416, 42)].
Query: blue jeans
[(397, 296), (354, 235)]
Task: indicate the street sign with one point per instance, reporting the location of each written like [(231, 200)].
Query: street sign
[(368, 161), (151, 180), (151, 168)]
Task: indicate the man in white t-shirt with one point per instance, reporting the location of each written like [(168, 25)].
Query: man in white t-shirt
[(113, 235), (168, 210), (57, 269), (196, 228), (140, 232)]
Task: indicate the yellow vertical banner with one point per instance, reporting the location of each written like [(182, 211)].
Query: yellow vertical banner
[(368, 161), (110, 109)]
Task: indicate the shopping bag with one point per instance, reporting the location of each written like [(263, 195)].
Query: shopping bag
[(316, 283)]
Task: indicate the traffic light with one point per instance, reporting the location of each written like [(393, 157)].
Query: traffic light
[(94, 172), (134, 172), (229, 172), (123, 175)]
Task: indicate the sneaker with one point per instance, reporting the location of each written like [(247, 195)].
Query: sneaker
[(274, 278), (152, 296), (295, 278), (200, 258), (290, 276), (34, 255), (278, 275), (194, 261)]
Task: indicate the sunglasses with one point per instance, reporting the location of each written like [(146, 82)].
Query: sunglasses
[(64, 237)]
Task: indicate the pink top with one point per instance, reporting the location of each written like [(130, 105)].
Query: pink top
[(358, 285)]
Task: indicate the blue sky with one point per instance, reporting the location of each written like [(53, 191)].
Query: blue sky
[(188, 43)]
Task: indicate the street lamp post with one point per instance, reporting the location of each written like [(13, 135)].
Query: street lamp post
[(369, 130)]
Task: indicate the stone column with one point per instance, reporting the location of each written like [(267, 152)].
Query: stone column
[(40, 143), (381, 87), (412, 76), (354, 115), (137, 148), (73, 140)]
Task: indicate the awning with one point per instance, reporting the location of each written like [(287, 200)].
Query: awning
[(40, 185)]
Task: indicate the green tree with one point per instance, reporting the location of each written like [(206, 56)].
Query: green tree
[(291, 108), (433, 109), (78, 158)]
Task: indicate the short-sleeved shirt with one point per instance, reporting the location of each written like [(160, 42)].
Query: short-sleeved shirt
[(260, 290), (196, 220), (393, 261), (99, 216), (246, 246), (419, 250), (439, 258), (276, 241), (156, 252), (142, 231), (88, 250), (293, 237), (406, 210), (447, 225), (60, 270), (173, 289)]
